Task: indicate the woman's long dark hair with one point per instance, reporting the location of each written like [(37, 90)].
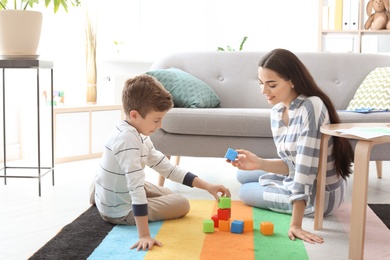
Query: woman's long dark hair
[(289, 67)]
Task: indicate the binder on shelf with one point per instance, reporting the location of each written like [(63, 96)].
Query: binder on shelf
[(325, 18), (332, 12), (350, 14), (347, 14), (338, 15), (354, 14)]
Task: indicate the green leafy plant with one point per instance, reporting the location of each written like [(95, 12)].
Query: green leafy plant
[(118, 45), (228, 48), (29, 4)]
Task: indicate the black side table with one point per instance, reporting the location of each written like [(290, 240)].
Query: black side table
[(37, 64)]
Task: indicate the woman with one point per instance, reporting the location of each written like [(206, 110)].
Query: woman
[(288, 184)]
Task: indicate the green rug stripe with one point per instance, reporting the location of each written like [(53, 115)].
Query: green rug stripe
[(277, 246)]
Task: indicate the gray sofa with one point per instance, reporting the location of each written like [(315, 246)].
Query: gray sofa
[(243, 121)]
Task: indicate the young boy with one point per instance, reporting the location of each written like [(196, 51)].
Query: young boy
[(122, 195)]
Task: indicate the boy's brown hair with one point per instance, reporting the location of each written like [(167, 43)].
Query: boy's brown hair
[(145, 94)]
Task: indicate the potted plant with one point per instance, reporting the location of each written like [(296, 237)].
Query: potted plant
[(20, 27), (228, 48), (90, 51)]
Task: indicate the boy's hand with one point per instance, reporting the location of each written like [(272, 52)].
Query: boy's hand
[(213, 189), (216, 189), (146, 243)]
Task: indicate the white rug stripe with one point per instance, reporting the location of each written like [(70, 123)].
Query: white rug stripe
[(377, 234), (336, 240), (336, 236)]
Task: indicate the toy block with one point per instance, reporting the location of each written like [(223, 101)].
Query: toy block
[(224, 225), (237, 226), (266, 228), (231, 154), (224, 214), (248, 225), (216, 220), (224, 203), (208, 226)]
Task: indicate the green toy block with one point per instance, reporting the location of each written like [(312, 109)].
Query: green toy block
[(224, 203), (208, 226)]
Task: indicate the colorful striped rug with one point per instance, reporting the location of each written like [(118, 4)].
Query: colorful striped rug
[(184, 238), (90, 237)]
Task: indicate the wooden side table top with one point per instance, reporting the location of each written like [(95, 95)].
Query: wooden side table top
[(332, 130)]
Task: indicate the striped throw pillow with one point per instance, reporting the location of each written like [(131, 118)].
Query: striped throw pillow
[(374, 92)]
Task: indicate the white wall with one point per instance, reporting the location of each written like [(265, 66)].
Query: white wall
[(153, 28), (150, 28)]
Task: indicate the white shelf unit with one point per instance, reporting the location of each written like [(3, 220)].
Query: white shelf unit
[(332, 38), (80, 131)]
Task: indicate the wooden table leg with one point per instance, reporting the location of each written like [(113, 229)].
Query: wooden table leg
[(379, 169), (321, 181), (359, 199)]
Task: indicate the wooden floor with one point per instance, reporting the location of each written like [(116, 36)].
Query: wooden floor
[(28, 221)]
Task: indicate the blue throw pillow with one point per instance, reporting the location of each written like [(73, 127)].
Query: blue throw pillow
[(186, 90)]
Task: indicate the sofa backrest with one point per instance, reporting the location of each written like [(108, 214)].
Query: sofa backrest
[(233, 75)]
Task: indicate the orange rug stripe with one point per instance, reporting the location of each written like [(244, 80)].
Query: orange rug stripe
[(184, 245), (221, 245)]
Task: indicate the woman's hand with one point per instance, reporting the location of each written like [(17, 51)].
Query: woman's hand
[(246, 160), (298, 232), (146, 243)]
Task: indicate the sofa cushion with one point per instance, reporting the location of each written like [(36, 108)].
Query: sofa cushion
[(186, 90), (244, 122), (374, 92)]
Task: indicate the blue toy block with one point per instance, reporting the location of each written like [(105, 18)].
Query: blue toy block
[(237, 226), (231, 154)]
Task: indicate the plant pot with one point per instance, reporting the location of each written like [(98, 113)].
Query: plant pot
[(20, 32), (91, 76), (91, 94)]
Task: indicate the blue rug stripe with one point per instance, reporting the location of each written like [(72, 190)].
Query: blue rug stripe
[(119, 240)]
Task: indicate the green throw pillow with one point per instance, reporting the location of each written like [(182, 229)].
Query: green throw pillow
[(186, 90), (374, 92)]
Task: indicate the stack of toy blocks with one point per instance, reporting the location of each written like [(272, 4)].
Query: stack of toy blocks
[(222, 220)]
